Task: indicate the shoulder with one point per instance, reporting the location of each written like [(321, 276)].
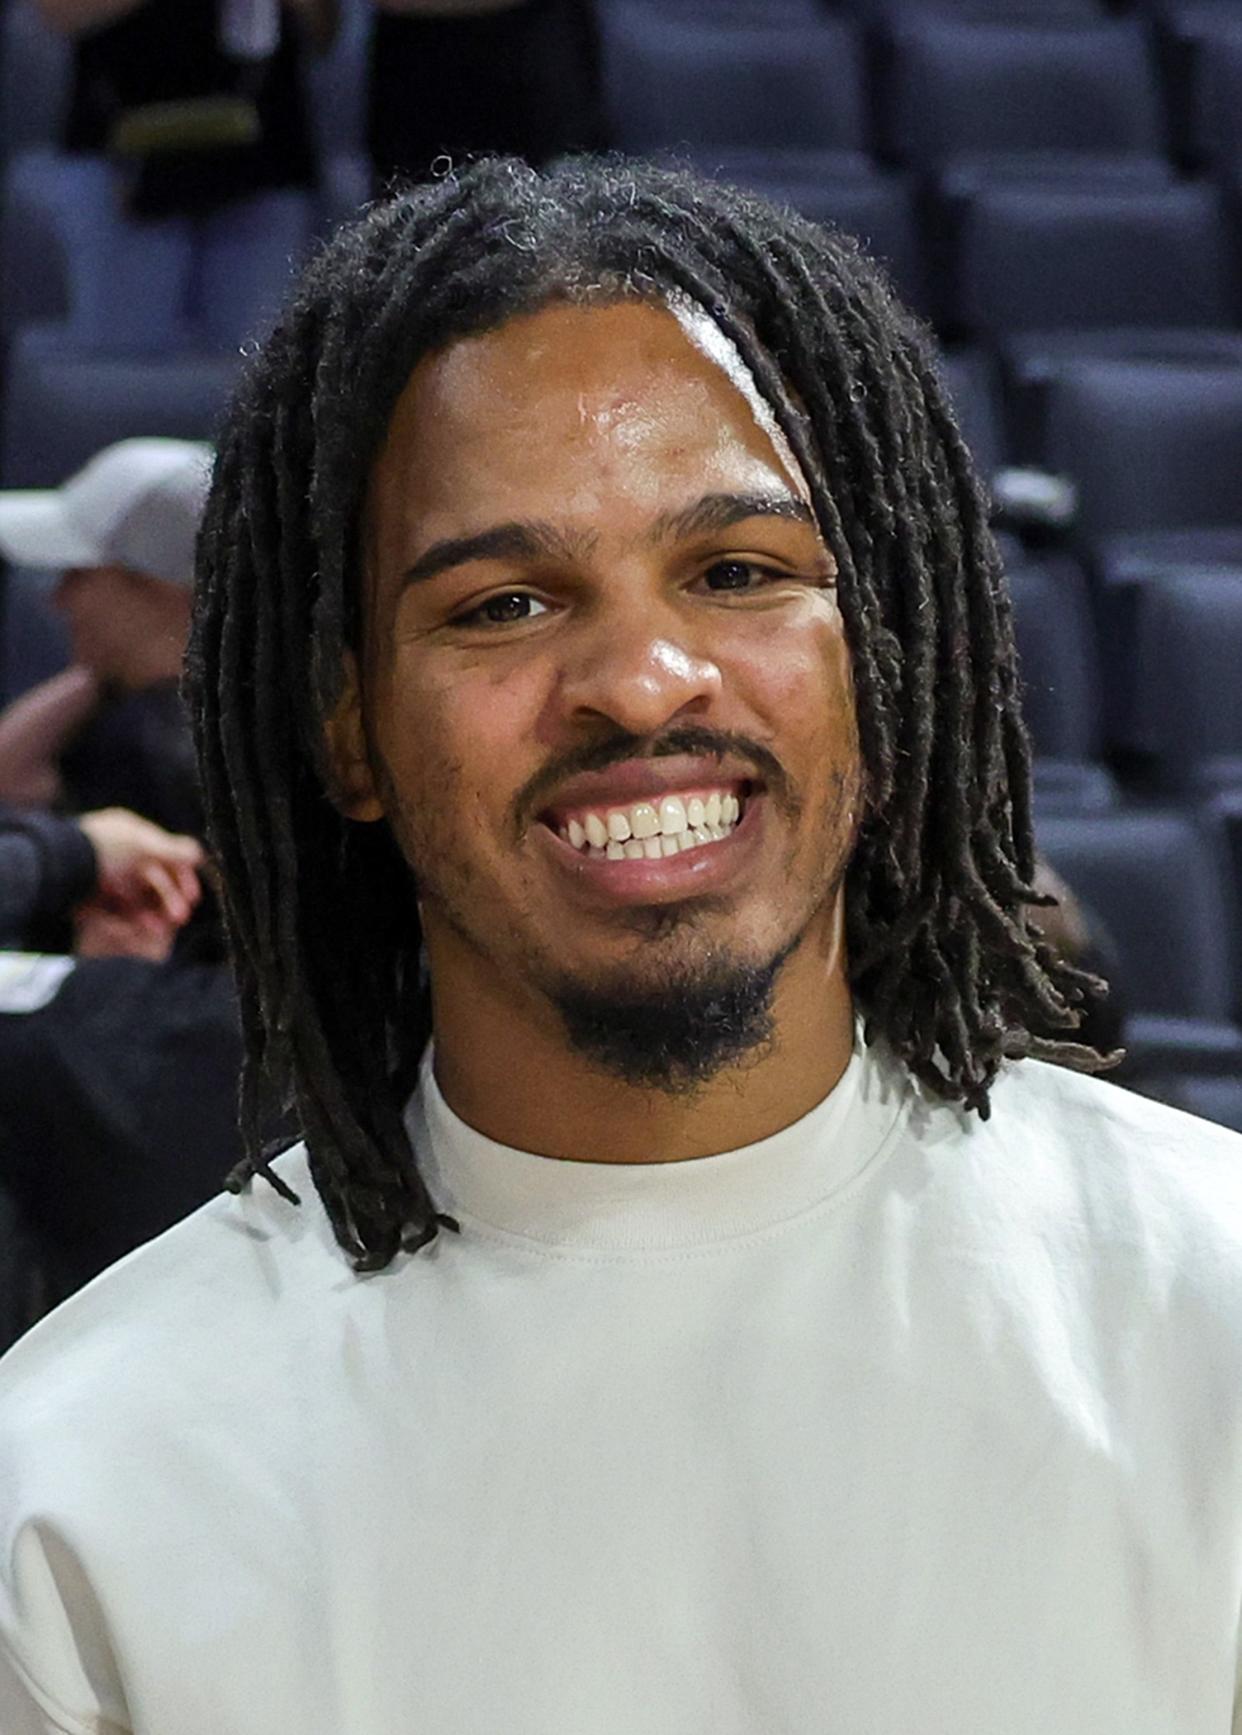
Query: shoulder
[(228, 1274), (1094, 1171)]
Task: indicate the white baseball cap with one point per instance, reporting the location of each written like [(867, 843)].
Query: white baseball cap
[(136, 504)]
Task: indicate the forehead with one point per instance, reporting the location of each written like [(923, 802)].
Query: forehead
[(612, 412)]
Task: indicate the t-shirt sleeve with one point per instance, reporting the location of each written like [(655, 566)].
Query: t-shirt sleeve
[(57, 1669), (25, 1711)]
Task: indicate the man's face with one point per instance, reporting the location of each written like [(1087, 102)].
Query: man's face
[(605, 683)]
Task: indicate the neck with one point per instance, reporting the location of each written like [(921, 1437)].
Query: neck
[(507, 1070)]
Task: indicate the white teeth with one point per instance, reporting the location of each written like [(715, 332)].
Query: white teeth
[(650, 831), (672, 815)]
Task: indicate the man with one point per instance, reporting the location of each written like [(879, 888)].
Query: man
[(110, 730), (119, 1046), (597, 606)]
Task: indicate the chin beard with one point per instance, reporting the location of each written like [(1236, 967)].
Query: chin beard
[(679, 1036)]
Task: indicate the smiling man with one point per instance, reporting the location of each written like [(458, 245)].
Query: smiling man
[(697, 1303)]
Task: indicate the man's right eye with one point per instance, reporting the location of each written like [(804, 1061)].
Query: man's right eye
[(502, 610)]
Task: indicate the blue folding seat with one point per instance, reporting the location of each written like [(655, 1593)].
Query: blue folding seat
[(1045, 258), (677, 81), (34, 260), (1059, 659), (1221, 817), (1150, 446), (61, 406), (843, 190), (35, 66), (1216, 115), (949, 88), (1200, 49), (1157, 881), (336, 82), (1186, 709), (969, 375), (980, 11), (1213, 1099), (1061, 686)]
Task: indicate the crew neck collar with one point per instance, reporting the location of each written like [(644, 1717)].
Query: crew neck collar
[(660, 1207)]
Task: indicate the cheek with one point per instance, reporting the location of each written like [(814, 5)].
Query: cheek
[(455, 740), (798, 673)]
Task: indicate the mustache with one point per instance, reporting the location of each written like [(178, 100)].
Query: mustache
[(690, 738)]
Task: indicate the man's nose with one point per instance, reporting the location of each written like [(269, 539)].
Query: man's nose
[(640, 676)]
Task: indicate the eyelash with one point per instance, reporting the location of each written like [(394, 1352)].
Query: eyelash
[(475, 615)]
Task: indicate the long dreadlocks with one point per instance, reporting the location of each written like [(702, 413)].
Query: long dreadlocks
[(321, 912)]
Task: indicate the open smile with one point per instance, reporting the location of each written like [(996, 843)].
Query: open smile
[(674, 844)]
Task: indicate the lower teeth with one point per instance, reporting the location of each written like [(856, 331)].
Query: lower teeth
[(632, 850)]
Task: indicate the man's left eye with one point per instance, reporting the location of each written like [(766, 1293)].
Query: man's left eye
[(736, 575)]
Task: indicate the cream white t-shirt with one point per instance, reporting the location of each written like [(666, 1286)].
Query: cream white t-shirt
[(896, 1423)]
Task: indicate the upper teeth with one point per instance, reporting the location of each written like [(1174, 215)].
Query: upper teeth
[(675, 822)]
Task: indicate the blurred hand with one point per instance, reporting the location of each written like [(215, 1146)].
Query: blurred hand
[(143, 870), (101, 932)]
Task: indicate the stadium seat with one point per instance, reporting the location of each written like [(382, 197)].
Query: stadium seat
[(842, 189), (1214, 1099), (1216, 114), (336, 83), (1150, 446), (60, 406), (34, 263), (970, 378), (1042, 257), (158, 287), (1124, 568), (948, 87), (1059, 656), (1187, 680), (1199, 43), (35, 66), (1061, 786), (1158, 882), (673, 81)]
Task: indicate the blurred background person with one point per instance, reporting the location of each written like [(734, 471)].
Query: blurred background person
[(189, 164), (119, 1042), (110, 730)]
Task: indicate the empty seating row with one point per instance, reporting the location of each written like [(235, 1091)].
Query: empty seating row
[(1167, 697), (926, 89), (949, 76), (1158, 880)]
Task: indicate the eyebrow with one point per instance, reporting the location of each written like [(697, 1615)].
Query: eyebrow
[(532, 539)]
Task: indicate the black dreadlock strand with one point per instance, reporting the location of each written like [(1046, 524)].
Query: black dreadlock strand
[(321, 913)]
